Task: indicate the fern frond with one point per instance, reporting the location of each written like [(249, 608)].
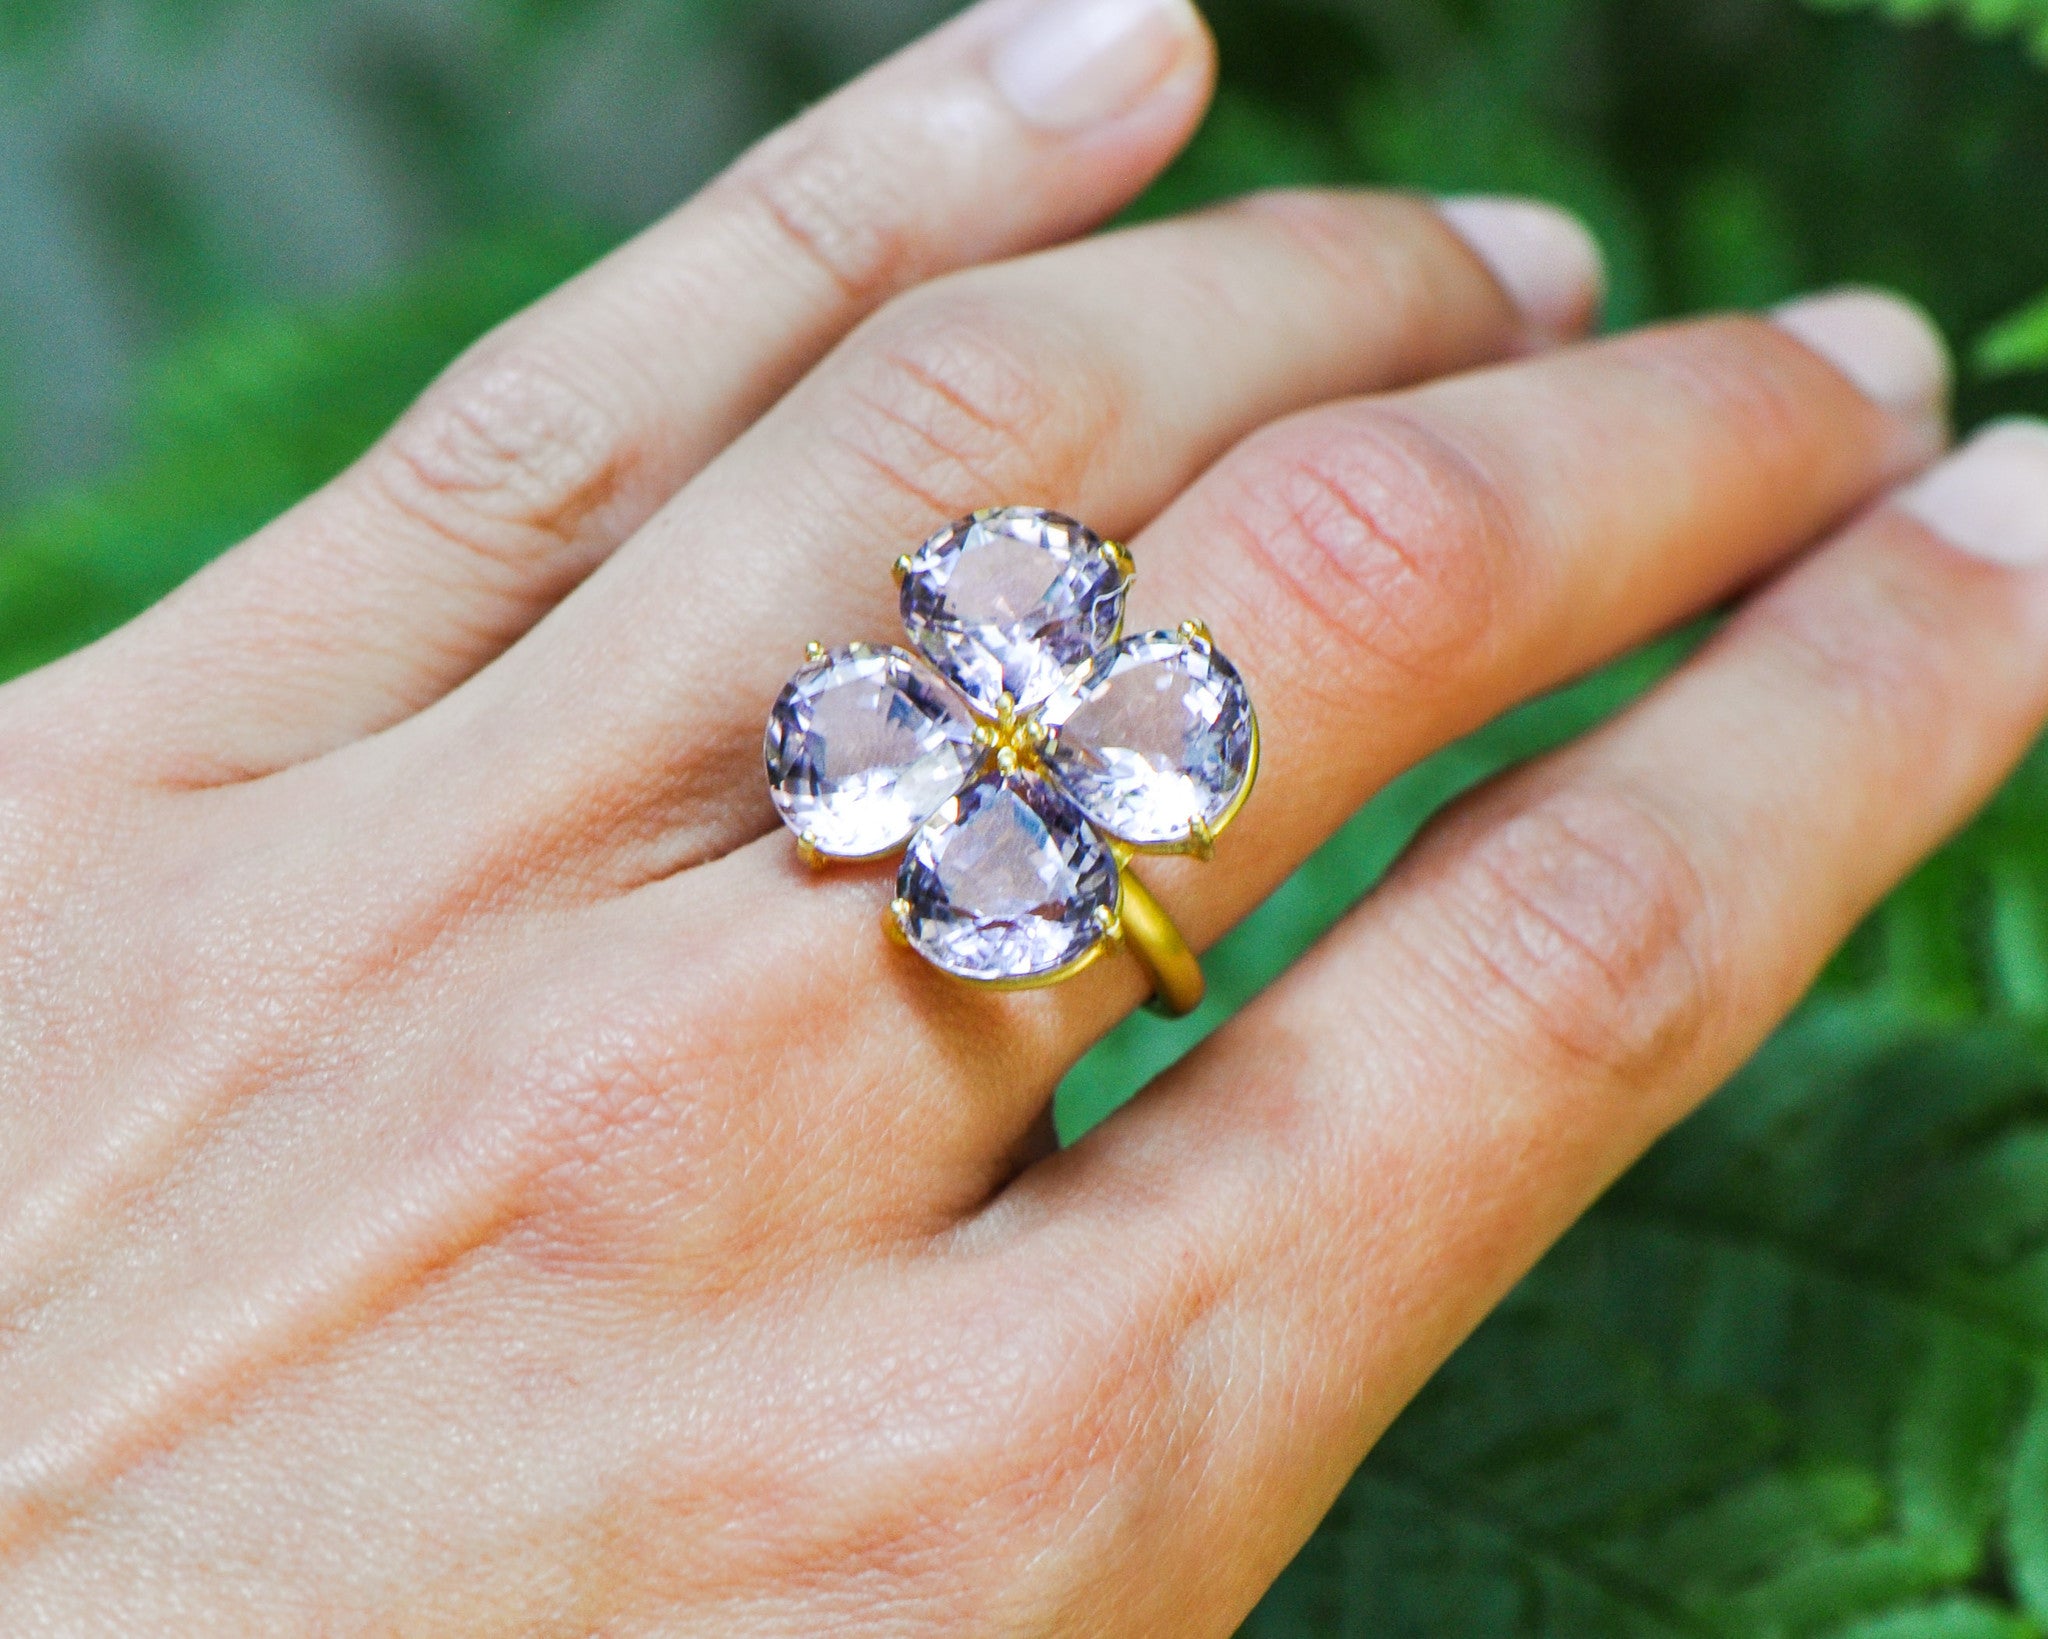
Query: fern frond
[(1791, 1379), (2015, 344), (1993, 19), (243, 422)]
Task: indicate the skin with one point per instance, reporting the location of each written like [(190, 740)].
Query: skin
[(460, 1175)]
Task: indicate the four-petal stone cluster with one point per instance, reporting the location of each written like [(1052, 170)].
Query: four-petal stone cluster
[(1019, 753)]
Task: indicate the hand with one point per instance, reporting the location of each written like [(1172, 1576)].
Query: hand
[(459, 1174)]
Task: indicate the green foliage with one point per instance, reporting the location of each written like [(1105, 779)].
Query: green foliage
[(1791, 1378), (2026, 19), (2019, 342), (241, 423), (2016, 343)]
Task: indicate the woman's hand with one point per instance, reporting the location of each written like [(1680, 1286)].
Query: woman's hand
[(459, 1174)]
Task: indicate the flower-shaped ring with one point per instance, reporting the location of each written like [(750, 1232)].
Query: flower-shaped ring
[(1020, 757)]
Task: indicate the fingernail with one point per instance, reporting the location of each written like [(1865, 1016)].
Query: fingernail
[(1990, 499), (1546, 259), (1068, 64), (1885, 345)]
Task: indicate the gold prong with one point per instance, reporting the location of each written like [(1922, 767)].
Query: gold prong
[(1006, 759), (814, 652), (893, 920), (1196, 632), (985, 736), (807, 851), (901, 569), (1112, 927), (1120, 555), (1201, 841), (1006, 712)]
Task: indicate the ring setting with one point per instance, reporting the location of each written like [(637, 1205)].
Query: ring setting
[(1020, 752)]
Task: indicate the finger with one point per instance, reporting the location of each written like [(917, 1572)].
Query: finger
[(1317, 1206), (1098, 378), (444, 864), (556, 437), (1400, 574), (1386, 575)]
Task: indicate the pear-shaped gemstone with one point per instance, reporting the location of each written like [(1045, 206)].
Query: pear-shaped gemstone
[(1006, 882), (863, 746), (1157, 739), (1014, 601)]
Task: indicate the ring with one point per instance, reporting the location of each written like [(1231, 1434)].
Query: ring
[(1020, 754)]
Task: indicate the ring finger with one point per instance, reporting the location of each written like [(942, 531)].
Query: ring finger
[(1388, 575)]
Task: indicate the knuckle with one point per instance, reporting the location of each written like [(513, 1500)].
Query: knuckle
[(1588, 924), (1748, 380), (56, 814), (1867, 653), (614, 1114), (507, 458), (1045, 1413), (607, 1092), (1380, 538), (950, 403), (1351, 238), (813, 193)]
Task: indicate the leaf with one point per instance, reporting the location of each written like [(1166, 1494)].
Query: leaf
[(2015, 344), (1789, 1379), (1772, 1386), (1992, 19), (242, 423), (1949, 1619), (2026, 1531)]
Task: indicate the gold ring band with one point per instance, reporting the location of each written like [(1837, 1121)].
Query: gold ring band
[(1149, 934)]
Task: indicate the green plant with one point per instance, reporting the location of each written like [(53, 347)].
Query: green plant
[(2019, 342), (1791, 1378), (241, 422), (2027, 19)]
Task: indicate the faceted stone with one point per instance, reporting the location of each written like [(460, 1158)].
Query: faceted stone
[(1013, 602), (1157, 737), (863, 746), (1004, 882)]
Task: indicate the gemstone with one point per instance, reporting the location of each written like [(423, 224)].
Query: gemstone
[(1005, 881), (1157, 738), (1014, 602), (863, 747)]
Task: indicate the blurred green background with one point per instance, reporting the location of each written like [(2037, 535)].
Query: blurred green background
[(1791, 1377)]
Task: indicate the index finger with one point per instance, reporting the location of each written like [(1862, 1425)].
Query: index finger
[(1017, 125)]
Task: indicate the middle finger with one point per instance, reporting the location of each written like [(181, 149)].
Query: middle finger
[(1097, 379)]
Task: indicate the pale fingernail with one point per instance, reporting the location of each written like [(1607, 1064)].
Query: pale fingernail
[(1885, 345), (1068, 64), (1990, 499), (1544, 258)]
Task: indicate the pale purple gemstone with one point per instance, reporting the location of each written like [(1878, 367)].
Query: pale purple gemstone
[(863, 746), (1155, 739), (1005, 882), (1014, 602)]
